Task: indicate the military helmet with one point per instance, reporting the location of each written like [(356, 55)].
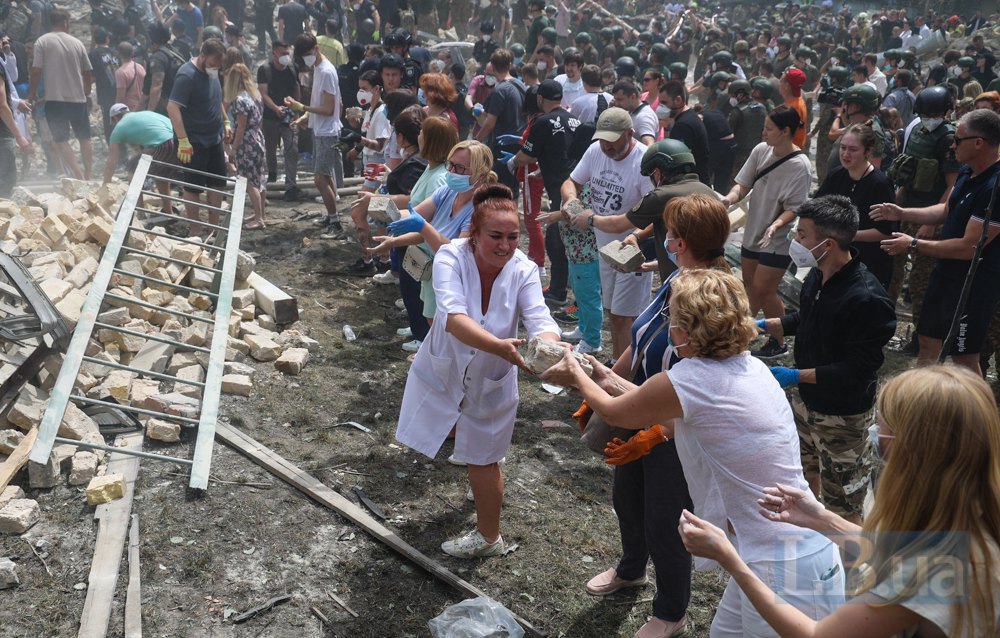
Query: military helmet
[(739, 86), (718, 78), (631, 52), (864, 95), (966, 62), (626, 67), (517, 50), (550, 34), (582, 38), (679, 69), (670, 156), (722, 58), (839, 75), (932, 100)]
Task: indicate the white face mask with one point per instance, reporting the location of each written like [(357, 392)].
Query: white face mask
[(954, 71), (662, 112), (364, 98), (487, 38), (542, 66), (803, 257), (213, 72), (285, 60), (310, 60), (931, 123), (835, 61), (491, 80), (734, 102)]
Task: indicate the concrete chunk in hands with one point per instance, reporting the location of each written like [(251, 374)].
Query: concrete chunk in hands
[(542, 354)]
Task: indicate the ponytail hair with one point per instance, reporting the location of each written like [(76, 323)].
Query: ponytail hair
[(488, 199)]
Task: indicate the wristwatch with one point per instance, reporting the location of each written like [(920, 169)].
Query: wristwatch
[(590, 220), (913, 245)]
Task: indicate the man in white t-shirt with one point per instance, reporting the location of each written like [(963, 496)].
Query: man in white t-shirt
[(645, 124), (322, 115), (571, 81), (611, 169)]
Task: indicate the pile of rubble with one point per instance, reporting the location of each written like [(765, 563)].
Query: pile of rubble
[(59, 237)]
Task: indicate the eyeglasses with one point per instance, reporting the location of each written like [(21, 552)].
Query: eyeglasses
[(651, 78), (959, 140), (458, 169)]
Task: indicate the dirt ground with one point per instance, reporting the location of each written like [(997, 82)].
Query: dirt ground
[(252, 537)]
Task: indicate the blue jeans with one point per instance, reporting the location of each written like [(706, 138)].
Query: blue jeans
[(586, 282)]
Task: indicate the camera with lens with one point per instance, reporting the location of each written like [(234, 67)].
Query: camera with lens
[(287, 116), (832, 95)]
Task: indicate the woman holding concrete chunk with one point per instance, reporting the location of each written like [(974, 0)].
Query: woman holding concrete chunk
[(735, 436), (649, 491), (464, 378)]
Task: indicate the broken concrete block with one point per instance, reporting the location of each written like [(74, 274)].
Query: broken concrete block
[(193, 373), (292, 361), (157, 297), (238, 345), (115, 317), (117, 384), (186, 252), (542, 354), (165, 431), (181, 360), (9, 493), (235, 322), (9, 439), (70, 307), (238, 384), (56, 289), (622, 257), (141, 389), (245, 263), (18, 515), (45, 475), (8, 574), (232, 367), (383, 209), (153, 356), (247, 313), (200, 279), (83, 467), (262, 348), (83, 272), (243, 298), (201, 302), (267, 322), (104, 489), (99, 230), (76, 425), (196, 334)]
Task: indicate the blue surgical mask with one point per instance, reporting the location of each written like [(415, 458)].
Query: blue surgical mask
[(420, 97), (517, 61), (670, 339), (670, 255), (457, 183)]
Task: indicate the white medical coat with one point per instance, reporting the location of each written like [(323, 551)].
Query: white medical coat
[(453, 384)]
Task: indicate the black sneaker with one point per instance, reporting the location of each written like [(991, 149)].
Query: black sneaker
[(334, 230), (382, 266), (361, 267), (569, 315), (771, 350), (551, 298), (323, 222), (912, 348), (293, 194)]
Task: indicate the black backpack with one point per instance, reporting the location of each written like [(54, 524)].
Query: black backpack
[(174, 61), (584, 135)]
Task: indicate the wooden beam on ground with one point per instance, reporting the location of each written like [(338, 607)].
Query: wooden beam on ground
[(313, 488), (273, 301), (112, 526), (17, 459), (133, 595)]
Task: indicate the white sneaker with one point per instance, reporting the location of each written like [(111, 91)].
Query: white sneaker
[(585, 348), (454, 461), (473, 545), (385, 278), (469, 495), (400, 305), (412, 346), (404, 332), (573, 335)]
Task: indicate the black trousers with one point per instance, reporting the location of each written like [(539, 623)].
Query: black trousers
[(409, 290), (554, 248), (649, 494)]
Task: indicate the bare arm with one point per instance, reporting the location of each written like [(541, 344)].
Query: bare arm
[(241, 129), (109, 166), (268, 102), (174, 113), (155, 89), (570, 190), (88, 82), (489, 122), (326, 107), (34, 77)]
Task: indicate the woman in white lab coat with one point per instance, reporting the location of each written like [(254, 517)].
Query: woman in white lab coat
[(465, 375)]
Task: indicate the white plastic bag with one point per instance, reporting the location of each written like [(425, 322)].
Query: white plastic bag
[(476, 618)]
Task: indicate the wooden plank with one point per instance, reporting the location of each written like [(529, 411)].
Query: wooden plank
[(273, 301), (17, 459), (313, 488), (133, 595), (112, 525)]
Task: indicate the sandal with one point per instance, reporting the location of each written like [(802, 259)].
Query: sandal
[(254, 226)]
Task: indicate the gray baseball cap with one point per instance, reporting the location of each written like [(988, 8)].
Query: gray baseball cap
[(613, 122)]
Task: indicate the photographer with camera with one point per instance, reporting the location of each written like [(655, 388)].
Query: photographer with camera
[(276, 80), (832, 86)]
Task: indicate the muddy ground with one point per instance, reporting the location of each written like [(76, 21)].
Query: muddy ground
[(252, 537)]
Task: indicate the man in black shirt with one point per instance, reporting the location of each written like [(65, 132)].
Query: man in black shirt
[(181, 42), (104, 61), (843, 323), (292, 17), (276, 80), (977, 139), (687, 126), (504, 113)]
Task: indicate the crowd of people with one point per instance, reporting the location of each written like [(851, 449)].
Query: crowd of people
[(645, 124)]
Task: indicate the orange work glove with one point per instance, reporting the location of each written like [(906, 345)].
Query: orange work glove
[(582, 415), (621, 452)]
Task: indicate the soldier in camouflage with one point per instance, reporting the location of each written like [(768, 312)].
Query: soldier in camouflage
[(746, 119)]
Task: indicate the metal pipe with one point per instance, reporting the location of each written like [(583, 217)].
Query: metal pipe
[(123, 450), (143, 372), (169, 284), (142, 335), (132, 408), (169, 311), (174, 260)]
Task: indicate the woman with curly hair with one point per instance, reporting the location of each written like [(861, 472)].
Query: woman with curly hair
[(735, 435), (939, 433)]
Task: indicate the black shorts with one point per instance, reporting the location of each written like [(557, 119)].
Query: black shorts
[(208, 159), (939, 305), (774, 260), (63, 115)]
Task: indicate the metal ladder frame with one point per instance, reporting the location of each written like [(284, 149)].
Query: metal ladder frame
[(226, 247)]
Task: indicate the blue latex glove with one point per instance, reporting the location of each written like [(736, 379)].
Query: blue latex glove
[(506, 156), (411, 224), (785, 376), (509, 140), (477, 110), (762, 326)]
